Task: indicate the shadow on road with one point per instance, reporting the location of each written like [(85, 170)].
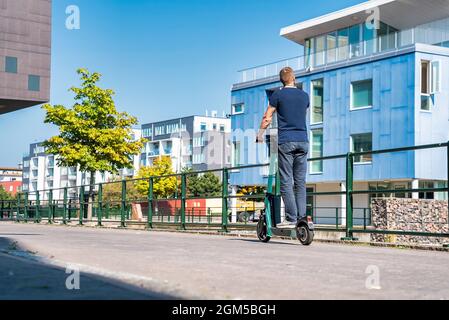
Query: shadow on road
[(272, 242), (22, 278)]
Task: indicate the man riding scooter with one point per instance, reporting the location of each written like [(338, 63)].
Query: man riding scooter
[(290, 104)]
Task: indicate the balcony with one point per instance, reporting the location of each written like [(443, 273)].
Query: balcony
[(436, 34)]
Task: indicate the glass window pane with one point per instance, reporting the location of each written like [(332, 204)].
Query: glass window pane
[(331, 47), (317, 150), (11, 65), (317, 101), (426, 102), (320, 47), (354, 41), (362, 143), (34, 83), (368, 39), (362, 94), (309, 52), (343, 43), (425, 77)]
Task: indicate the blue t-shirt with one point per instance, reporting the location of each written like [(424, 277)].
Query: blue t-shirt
[(291, 105)]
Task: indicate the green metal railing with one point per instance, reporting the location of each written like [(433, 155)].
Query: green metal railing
[(76, 204)]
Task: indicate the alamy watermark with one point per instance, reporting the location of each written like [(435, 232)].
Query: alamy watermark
[(73, 20), (73, 281), (373, 280)]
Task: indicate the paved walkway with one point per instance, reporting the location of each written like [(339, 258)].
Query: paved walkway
[(168, 265)]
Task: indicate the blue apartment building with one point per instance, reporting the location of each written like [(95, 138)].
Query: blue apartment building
[(373, 85)]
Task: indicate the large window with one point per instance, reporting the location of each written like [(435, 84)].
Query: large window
[(430, 83), (355, 41), (343, 42), (316, 167), (34, 83), (332, 47), (320, 47), (317, 101), (362, 143), (11, 65), (362, 94)]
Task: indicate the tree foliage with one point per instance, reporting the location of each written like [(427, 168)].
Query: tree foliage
[(112, 192), (163, 187), (207, 184), (93, 134), (5, 195)]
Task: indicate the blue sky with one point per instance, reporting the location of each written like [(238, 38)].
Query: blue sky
[(164, 58)]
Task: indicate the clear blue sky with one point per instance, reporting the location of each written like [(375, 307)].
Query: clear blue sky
[(164, 58)]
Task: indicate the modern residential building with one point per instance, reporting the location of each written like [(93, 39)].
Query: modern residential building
[(201, 143), (41, 173), (373, 85), (25, 53), (11, 179)]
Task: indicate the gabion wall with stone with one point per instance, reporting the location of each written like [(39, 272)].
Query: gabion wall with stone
[(410, 215)]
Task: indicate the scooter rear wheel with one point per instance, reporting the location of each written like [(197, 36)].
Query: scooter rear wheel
[(305, 235), (262, 230)]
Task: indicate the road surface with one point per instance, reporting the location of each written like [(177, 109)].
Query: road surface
[(125, 264)]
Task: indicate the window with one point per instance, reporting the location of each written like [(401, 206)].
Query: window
[(316, 167), (320, 47), (362, 94), (430, 83), (236, 162), (343, 43), (331, 47), (11, 65), (317, 101), (214, 127), (222, 128), (362, 143), (354, 41), (203, 127), (238, 108), (34, 83)]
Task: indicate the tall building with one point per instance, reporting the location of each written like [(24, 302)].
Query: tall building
[(25, 53), (373, 85), (41, 173), (201, 143)]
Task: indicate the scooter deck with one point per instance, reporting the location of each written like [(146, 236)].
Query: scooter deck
[(284, 232)]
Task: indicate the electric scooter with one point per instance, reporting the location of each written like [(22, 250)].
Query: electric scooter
[(271, 216)]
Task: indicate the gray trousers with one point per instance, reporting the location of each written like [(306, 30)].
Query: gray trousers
[(293, 172)]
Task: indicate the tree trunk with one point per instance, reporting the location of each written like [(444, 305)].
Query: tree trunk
[(91, 196)]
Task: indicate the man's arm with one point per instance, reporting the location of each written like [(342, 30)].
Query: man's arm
[(266, 122)]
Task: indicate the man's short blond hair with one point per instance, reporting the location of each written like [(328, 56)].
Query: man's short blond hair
[(287, 76)]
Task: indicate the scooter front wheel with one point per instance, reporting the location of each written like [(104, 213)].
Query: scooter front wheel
[(305, 235), (262, 230)]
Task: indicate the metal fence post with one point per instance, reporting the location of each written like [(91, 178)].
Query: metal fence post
[(18, 208), (2, 209), (150, 203), (38, 205), (64, 210), (225, 196), (183, 200), (81, 197), (50, 207), (337, 222), (349, 197), (123, 206), (100, 205), (25, 208)]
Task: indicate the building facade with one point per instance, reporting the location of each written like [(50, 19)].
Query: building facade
[(200, 143), (11, 179), (373, 85), (42, 173), (25, 53)]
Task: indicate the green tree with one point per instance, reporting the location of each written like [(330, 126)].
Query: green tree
[(4, 195), (163, 187), (112, 192), (207, 184), (93, 135)]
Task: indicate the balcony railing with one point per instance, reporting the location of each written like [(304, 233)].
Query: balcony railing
[(369, 48)]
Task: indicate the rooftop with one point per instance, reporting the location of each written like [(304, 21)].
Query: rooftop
[(390, 12)]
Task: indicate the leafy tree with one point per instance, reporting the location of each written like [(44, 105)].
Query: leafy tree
[(5, 195), (112, 192), (207, 184), (163, 187), (93, 136)]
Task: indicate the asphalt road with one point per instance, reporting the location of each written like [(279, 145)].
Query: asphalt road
[(124, 264)]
